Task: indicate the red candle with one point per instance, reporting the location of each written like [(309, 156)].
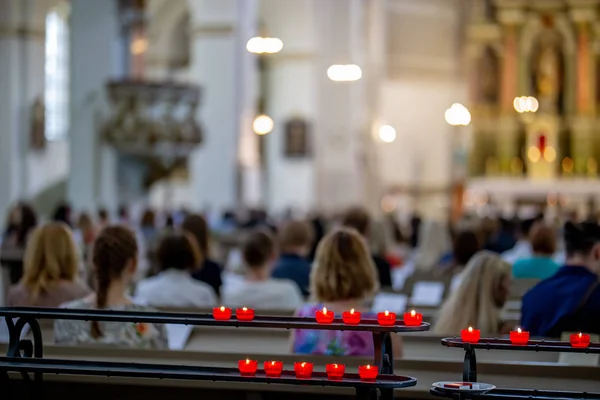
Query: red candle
[(303, 369), (386, 318), (351, 317), (368, 372), (273, 368), (413, 318), (519, 337), (222, 313), (244, 314), (324, 316), (470, 335), (580, 340), (335, 371), (248, 367)]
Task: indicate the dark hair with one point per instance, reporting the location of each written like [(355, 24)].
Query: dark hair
[(27, 222), (63, 214), (526, 225), (543, 239), (148, 219), (466, 244), (197, 226), (103, 214), (114, 248), (581, 238), (258, 248), (296, 234), (177, 251), (357, 218)]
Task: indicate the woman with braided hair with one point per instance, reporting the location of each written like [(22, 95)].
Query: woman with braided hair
[(115, 262)]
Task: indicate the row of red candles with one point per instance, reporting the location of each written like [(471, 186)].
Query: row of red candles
[(521, 337), (304, 370), (325, 316)]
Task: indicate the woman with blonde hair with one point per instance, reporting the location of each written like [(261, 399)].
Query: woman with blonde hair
[(479, 298), (51, 269), (342, 278)]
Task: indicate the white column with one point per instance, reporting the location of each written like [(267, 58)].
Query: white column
[(293, 92), (95, 58), (21, 82), (342, 120), (214, 65)]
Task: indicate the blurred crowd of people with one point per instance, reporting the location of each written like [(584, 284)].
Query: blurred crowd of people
[(187, 260)]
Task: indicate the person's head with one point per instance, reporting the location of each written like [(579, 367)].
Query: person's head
[(197, 226), (343, 268), (148, 219), (103, 215), (479, 297), (85, 222), (258, 251), (50, 257), (22, 219), (543, 240), (582, 243), (178, 251), (296, 237), (115, 261), (63, 214), (357, 218), (123, 212), (465, 245), (525, 228)]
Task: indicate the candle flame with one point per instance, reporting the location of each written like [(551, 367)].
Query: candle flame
[(368, 367), (579, 334), (303, 364), (222, 308), (470, 329), (272, 362), (244, 309), (324, 310), (519, 330), (351, 312), (412, 313), (387, 313), (247, 361), (335, 366)]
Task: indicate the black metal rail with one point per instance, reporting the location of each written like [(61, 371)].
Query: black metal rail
[(25, 356), (533, 345), (506, 394)]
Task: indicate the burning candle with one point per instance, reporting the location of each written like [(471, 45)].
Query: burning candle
[(351, 317), (303, 370), (580, 340), (248, 367), (470, 335), (368, 372), (413, 318), (386, 318), (324, 316), (335, 371), (222, 313), (273, 368), (244, 314), (519, 337)]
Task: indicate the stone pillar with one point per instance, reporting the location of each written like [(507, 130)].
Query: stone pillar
[(21, 83), (215, 66), (507, 129), (342, 118), (583, 125), (95, 58), (292, 91)]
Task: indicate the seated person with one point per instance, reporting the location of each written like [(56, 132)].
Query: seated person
[(540, 265), (177, 255), (209, 271), (568, 301), (342, 278), (295, 242), (478, 299), (115, 261), (258, 290), (359, 219), (51, 270)]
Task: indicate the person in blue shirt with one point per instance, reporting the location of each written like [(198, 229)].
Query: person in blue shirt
[(295, 241), (541, 265), (568, 301)]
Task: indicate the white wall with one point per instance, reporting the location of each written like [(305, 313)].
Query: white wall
[(47, 167)]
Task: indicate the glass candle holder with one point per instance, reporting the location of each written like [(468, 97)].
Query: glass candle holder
[(335, 371), (470, 335), (413, 318), (273, 368), (579, 340), (386, 318), (244, 314), (303, 369), (368, 372), (351, 317), (248, 367), (324, 316), (221, 313), (519, 337)]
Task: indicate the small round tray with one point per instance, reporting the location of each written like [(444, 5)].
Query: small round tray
[(463, 387)]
